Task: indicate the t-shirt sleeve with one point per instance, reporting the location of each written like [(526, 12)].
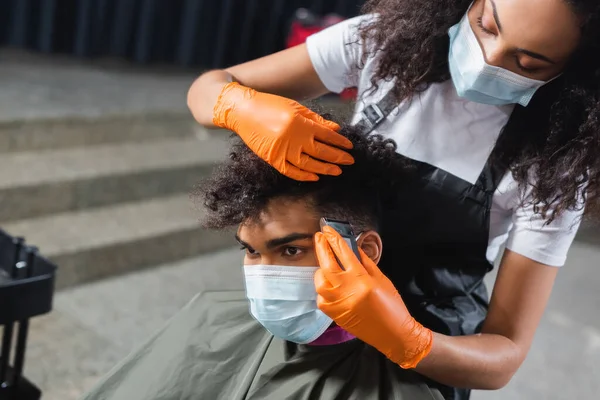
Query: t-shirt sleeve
[(336, 54), (547, 244)]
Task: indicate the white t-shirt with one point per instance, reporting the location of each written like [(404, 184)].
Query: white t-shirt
[(439, 128)]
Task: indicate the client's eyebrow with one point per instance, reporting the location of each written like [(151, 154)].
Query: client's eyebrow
[(244, 244), (279, 241), (288, 238)]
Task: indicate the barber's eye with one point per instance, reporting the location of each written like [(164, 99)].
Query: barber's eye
[(483, 28), (524, 68)]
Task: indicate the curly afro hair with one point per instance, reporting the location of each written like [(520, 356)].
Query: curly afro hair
[(557, 136), (242, 187)]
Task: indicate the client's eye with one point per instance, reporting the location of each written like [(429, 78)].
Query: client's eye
[(248, 251), (292, 251)]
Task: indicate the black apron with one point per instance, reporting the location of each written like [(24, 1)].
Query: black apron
[(435, 234)]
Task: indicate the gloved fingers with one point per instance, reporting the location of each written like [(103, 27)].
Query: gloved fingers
[(329, 153), (331, 137), (309, 164), (297, 174), (324, 287), (330, 268), (326, 305), (340, 248), (333, 306), (328, 125), (325, 131)]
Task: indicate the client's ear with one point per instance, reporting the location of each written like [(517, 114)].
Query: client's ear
[(370, 242)]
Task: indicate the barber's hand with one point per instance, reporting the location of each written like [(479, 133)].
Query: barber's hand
[(365, 303), (294, 140)]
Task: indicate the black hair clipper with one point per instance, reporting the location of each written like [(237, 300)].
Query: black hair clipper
[(346, 232)]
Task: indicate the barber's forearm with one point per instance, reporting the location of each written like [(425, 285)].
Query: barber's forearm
[(203, 95), (484, 361)]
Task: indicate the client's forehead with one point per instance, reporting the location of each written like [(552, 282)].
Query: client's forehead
[(281, 217)]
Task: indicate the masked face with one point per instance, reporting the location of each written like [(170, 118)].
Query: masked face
[(503, 51), (283, 299), (279, 266)]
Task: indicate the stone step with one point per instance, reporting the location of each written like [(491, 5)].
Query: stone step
[(39, 183), (68, 132), (92, 244)]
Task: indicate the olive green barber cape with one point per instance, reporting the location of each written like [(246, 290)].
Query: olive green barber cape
[(214, 350)]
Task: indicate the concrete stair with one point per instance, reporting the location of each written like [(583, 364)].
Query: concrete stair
[(109, 195), (24, 134), (92, 176)]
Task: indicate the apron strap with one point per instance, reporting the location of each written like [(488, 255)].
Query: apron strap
[(374, 114), (495, 169)]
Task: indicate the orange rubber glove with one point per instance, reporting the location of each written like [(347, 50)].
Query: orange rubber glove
[(293, 139), (365, 303)]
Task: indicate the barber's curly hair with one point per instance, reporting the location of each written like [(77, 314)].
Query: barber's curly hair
[(241, 188), (556, 140)]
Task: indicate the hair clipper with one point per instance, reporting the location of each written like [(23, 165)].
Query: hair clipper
[(346, 232)]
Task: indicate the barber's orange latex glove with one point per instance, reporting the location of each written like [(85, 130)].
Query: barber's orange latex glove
[(293, 139), (365, 303)]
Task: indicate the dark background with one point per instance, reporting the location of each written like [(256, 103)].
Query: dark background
[(205, 33)]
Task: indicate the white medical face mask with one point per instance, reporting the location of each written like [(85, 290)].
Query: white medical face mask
[(284, 300), (477, 81)]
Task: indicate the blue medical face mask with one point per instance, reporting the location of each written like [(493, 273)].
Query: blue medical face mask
[(477, 81), (284, 300)]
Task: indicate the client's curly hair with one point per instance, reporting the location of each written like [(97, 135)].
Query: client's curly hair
[(241, 188), (557, 137)]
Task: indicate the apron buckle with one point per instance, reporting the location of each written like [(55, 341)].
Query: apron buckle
[(373, 115)]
